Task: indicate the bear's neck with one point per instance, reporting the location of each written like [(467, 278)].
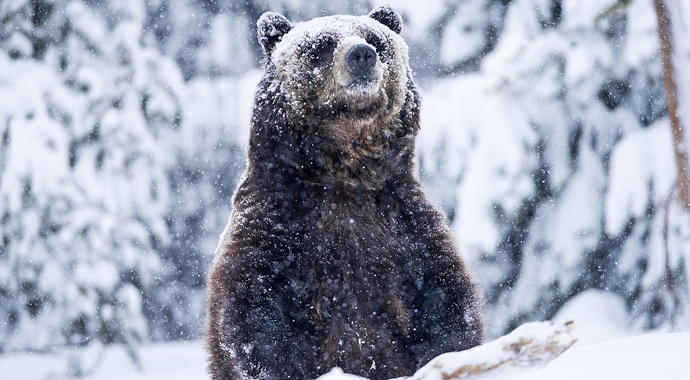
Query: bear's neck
[(344, 149), (354, 158)]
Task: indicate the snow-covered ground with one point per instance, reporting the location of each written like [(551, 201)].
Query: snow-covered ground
[(169, 361), (644, 357), (607, 348)]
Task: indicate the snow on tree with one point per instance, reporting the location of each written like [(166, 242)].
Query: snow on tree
[(209, 159), (544, 203), (115, 176), (83, 195)]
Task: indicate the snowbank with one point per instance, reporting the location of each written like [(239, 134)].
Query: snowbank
[(644, 357)]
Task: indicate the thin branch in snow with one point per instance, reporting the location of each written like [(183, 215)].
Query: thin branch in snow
[(528, 348)]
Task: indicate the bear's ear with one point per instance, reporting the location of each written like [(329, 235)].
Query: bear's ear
[(388, 17), (271, 28)]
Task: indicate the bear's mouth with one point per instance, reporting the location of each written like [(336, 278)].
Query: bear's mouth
[(362, 83)]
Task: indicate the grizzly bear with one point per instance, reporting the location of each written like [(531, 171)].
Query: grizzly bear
[(333, 256)]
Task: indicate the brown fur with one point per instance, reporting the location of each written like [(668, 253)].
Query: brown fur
[(332, 255)]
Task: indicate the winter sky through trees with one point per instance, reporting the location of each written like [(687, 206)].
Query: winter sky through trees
[(545, 139)]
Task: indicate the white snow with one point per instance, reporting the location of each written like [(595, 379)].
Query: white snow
[(600, 316), (641, 159), (582, 13), (644, 357), (463, 37), (485, 151), (164, 361), (643, 41)]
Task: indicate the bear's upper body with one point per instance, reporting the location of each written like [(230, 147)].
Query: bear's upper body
[(333, 256)]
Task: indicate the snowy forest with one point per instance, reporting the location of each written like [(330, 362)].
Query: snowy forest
[(545, 139)]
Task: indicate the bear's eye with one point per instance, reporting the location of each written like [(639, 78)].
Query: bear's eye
[(322, 50), (378, 45)]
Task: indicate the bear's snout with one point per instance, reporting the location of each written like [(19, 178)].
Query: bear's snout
[(361, 59)]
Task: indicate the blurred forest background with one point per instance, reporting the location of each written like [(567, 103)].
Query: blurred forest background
[(123, 124)]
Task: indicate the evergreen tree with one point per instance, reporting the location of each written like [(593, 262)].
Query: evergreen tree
[(84, 192), (542, 152)]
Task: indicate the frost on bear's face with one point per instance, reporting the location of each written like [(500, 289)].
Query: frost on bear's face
[(345, 64), (340, 90)]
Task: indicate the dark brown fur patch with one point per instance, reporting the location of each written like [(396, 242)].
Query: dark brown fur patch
[(332, 255)]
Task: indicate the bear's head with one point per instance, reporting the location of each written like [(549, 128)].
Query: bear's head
[(344, 63), (340, 84)]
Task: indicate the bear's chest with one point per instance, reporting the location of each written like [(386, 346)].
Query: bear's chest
[(349, 285), (347, 252)]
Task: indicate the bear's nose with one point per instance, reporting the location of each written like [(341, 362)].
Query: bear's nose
[(361, 57)]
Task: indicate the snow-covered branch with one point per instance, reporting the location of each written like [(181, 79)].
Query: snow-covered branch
[(528, 348)]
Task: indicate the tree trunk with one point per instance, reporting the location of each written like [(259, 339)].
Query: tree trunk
[(679, 147)]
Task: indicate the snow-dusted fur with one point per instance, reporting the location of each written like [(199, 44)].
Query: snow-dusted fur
[(333, 256)]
